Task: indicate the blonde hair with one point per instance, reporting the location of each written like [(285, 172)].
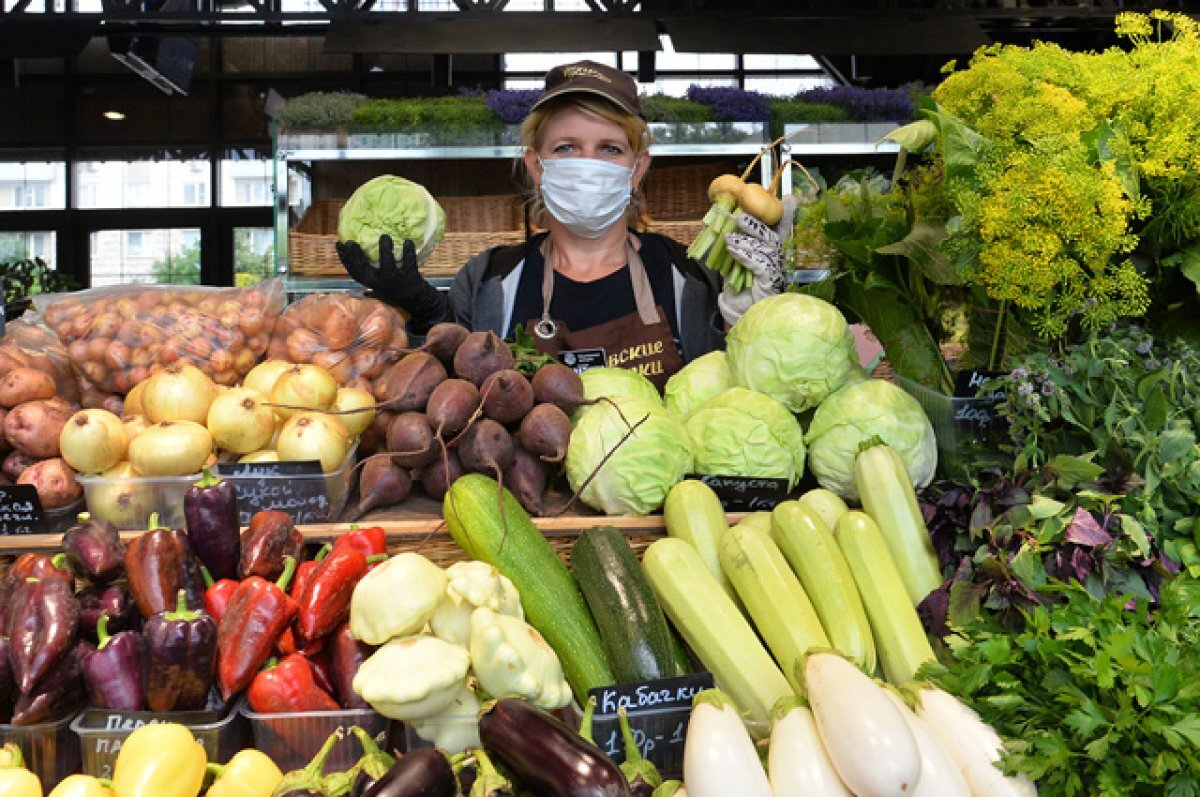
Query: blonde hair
[(532, 129)]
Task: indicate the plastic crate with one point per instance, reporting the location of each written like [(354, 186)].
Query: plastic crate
[(431, 729), (291, 740), (336, 486), (49, 749), (101, 733), (960, 429)]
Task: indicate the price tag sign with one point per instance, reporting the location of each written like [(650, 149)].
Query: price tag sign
[(579, 360), (658, 713), (745, 493), (20, 510), (297, 488), (974, 413)]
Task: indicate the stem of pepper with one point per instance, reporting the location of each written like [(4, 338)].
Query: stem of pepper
[(207, 479), (59, 560), (289, 569), (181, 609), (152, 524), (102, 635), (323, 552), (207, 576)]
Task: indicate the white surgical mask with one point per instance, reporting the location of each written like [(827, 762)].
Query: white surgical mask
[(588, 196)]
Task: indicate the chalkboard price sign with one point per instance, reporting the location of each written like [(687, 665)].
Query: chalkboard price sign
[(972, 412), (297, 488), (745, 493), (20, 510), (658, 713)]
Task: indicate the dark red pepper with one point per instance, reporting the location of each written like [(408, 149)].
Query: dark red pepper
[(158, 564), (266, 542), (370, 541), (113, 673), (346, 655), (210, 514), (181, 654), (288, 687), (60, 694), (322, 672), (8, 685), (258, 613), (216, 596), (305, 570), (112, 600), (44, 625), (94, 549), (325, 603), (27, 566)]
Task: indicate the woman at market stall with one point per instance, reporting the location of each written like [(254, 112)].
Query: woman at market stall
[(591, 288)]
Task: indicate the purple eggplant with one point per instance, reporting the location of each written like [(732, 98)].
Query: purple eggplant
[(113, 600), (211, 514), (94, 550), (8, 685), (546, 757), (43, 625), (181, 658), (113, 674), (59, 694), (346, 655), (418, 773)]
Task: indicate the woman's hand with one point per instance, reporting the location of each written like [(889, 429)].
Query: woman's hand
[(399, 284)]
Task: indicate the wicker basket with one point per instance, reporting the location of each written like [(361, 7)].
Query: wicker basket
[(443, 551), (311, 251), (682, 231), (680, 193)]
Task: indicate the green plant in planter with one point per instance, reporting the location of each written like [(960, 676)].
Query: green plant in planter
[(661, 108), (448, 120), (787, 112), (318, 109), (29, 277)]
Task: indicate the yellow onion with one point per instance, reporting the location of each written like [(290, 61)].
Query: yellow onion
[(171, 448), (307, 386), (92, 441), (122, 498), (265, 455), (134, 426), (238, 421), (316, 436), (354, 398), (133, 400), (262, 376), (180, 392)]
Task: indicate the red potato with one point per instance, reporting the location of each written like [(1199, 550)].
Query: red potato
[(54, 481), (25, 384), (33, 427), (16, 463), (5, 447)]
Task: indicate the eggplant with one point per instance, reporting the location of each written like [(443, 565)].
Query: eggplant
[(419, 773), (545, 756)]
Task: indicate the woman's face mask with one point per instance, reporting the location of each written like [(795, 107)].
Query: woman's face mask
[(586, 195)]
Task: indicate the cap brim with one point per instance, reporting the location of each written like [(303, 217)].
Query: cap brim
[(553, 93)]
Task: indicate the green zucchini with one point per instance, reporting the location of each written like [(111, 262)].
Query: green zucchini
[(505, 537), (631, 621)]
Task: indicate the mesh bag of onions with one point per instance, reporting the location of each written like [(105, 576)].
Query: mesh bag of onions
[(353, 338), (119, 336)]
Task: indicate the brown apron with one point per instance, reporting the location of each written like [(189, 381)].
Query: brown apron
[(641, 341)]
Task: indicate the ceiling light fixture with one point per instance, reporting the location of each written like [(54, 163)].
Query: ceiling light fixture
[(115, 116)]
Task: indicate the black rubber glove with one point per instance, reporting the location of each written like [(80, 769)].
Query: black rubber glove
[(399, 284)]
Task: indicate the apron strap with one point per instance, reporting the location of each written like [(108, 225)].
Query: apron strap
[(643, 294)]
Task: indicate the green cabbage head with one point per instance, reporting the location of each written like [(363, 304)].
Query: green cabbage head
[(608, 382), (697, 382), (636, 478), (393, 206), (744, 433), (859, 412), (795, 348)]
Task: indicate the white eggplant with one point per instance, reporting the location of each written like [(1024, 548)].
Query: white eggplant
[(797, 763), (940, 775), (972, 743), (719, 758), (866, 738)]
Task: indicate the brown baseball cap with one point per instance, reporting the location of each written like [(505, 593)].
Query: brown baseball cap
[(589, 77)]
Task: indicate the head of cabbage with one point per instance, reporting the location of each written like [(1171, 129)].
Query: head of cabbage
[(795, 348), (697, 382), (855, 414), (744, 433), (606, 382), (636, 478), (391, 205)]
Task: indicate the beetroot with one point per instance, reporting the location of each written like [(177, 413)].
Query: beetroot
[(546, 431), (526, 478), (382, 483), (557, 384), (374, 439), (410, 440), (451, 406), (408, 384), (481, 354), (437, 477), (443, 341), (486, 447), (506, 396)]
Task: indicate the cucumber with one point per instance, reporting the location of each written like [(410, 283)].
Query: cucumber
[(628, 615), (505, 537)]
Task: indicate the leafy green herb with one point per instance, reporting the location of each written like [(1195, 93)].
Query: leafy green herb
[(1097, 697), (528, 358)]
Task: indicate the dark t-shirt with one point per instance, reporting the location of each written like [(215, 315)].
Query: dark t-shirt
[(582, 305)]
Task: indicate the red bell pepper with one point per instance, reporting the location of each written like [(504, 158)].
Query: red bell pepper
[(370, 541), (305, 570), (288, 687), (287, 645), (325, 603), (258, 613), (322, 671), (217, 594)]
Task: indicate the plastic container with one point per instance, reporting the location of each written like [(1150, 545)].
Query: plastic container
[(962, 426), (291, 740), (443, 729), (59, 520), (316, 498), (101, 733), (49, 749), (136, 499)]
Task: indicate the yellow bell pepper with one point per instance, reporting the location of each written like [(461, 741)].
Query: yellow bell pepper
[(82, 786), (15, 780), (159, 760), (250, 773)]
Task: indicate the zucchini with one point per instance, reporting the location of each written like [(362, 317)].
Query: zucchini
[(781, 611), (828, 504), (714, 628), (900, 641), (693, 513), (759, 521), (888, 497), (632, 626), (505, 537), (809, 547)]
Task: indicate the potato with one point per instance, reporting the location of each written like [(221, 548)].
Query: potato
[(33, 427), (25, 384), (16, 463), (54, 481)]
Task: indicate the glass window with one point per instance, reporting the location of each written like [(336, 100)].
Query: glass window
[(785, 86), (28, 245), (253, 255), (161, 256), (753, 61), (245, 183), (141, 184), (33, 186), (677, 87), (543, 62)]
